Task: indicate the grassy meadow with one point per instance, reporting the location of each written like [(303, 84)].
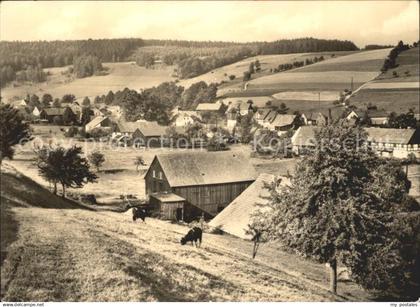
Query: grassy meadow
[(78, 254), (119, 76)]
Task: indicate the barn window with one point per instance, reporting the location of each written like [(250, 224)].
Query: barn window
[(154, 174), (160, 175)]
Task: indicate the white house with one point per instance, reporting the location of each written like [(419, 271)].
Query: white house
[(36, 112), (185, 118)]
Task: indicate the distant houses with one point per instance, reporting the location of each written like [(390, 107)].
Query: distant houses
[(186, 185), (386, 142)]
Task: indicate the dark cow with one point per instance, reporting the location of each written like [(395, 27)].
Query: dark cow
[(194, 235), (139, 214)]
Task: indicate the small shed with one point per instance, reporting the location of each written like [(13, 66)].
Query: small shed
[(168, 205)]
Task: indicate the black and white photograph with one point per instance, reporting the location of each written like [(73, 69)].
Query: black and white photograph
[(210, 151)]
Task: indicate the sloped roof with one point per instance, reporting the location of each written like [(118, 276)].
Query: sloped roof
[(149, 129), (235, 218), (304, 136), (96, 121), (204, 168), (271, 116), (262, 113), (167, 197), (209, 106), (394, 136), (372, 113), (145, 127), (282, 120)]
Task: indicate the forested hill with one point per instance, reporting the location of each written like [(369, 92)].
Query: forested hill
[(33, 56)]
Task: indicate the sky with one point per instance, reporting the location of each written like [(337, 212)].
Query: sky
[(363, 22)]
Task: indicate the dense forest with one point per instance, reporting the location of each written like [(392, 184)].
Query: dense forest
[(25, 60), (16, 57)]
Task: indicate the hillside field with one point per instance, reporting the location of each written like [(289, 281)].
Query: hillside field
[(394, 94), (333, 74), (267, 62), (78, 254), (119, 76)]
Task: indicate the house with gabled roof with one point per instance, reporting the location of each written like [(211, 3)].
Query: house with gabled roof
[(102, 122), (397, 143), (61, 113), (200, 183), (209, 107), (141, 133)]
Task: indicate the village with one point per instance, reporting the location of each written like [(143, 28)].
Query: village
[(165, 170)]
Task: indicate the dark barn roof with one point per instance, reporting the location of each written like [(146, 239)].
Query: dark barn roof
[(205, 168)]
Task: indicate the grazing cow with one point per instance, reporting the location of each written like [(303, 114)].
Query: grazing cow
[(194, 235), (139, 214)]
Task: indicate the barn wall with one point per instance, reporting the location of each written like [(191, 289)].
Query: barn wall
[(212, 198)]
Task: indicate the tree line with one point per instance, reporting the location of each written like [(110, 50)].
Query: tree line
[(18, 56), (157, 103), (191, 62)]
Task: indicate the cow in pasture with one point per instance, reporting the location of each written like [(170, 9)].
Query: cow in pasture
[(139, 213), (194, 235)]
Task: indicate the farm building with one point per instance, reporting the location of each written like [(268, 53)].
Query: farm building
[(398, 143), (102, 122), (59, 114), (209, 107), (235, 218), (283, 122), (142, 133), (206, 181), (261, 114), (377, 117), (185, 118), (303, 139)]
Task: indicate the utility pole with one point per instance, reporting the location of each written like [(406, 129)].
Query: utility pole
[(351, 85), (319, 100)]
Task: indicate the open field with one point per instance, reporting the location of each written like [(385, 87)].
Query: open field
[(83, 255), (363, 61), (120, 76), (267, 62), (387, 85), (308, 95), (399, 101), (332, 74)]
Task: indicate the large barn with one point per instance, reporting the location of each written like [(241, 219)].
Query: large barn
[(185, 185)]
